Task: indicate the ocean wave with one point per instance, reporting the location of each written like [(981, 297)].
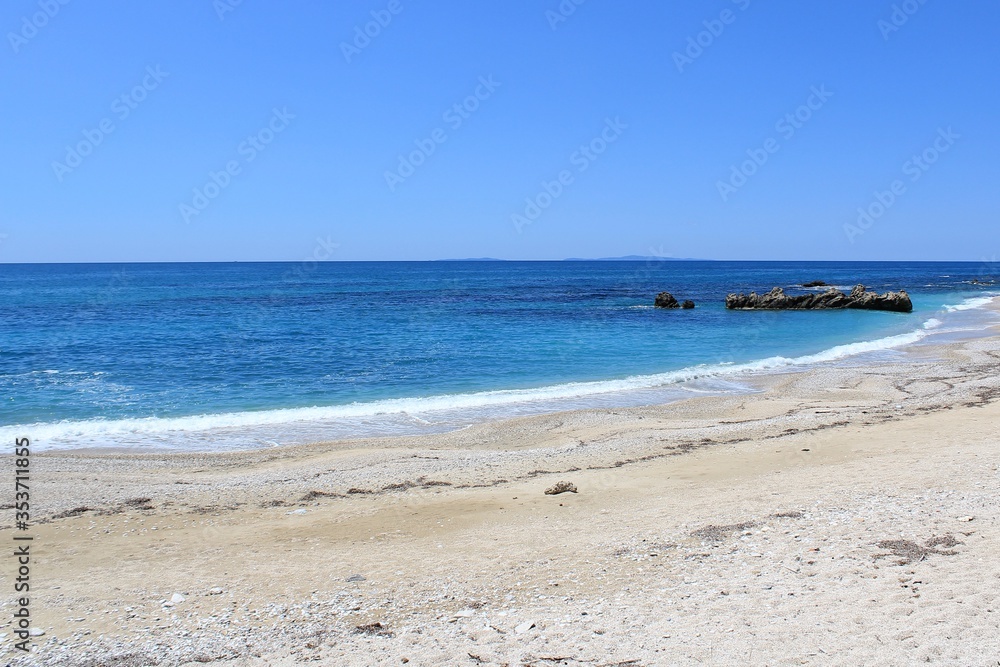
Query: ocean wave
[(971, 303), (160, 429)]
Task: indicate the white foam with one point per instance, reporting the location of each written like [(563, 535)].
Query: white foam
[(106, 432), (971, 303)]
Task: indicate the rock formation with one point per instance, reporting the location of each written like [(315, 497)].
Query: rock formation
[(776, 299), (666, 300)]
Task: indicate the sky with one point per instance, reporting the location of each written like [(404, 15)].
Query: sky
[(201, 130)]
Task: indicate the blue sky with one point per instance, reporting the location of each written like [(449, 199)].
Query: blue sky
[(273, 131)]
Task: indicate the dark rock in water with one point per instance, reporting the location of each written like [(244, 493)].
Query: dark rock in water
[(688, 304), (814, 283), (776, 299), (666, 300)]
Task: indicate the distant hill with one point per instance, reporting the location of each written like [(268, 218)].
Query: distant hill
[(636, 258), (626, 258)]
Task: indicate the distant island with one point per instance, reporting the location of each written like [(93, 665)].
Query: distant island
[(637, 258), (625, 258)]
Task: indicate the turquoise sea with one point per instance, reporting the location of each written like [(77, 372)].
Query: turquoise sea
[(241, 355)]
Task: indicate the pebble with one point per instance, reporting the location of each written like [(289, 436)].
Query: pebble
[(524, 627), (36, 632), (966, 518), (215, 591), (301, 511), (560, 487), (355, 577), (176, 598)]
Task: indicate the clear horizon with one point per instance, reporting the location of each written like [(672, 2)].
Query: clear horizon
[(384, 131)]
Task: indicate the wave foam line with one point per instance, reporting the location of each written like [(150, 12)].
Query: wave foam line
[(408, 406), (971, 303)]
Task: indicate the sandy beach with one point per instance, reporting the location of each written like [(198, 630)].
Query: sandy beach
[(843, 515)]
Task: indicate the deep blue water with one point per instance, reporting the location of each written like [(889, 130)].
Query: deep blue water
[(96, 351)]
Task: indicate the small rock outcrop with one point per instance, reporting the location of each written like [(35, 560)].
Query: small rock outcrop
[(859, 298), (560, 487), (666, 300), (814, 283)]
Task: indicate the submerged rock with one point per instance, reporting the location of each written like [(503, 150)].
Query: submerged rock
[(859, 298), (814, 283), (688, 304)]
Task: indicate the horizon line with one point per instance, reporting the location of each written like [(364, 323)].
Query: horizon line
[(495, 260)]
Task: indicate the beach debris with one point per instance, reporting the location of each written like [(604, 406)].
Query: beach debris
[(523, 627), (315, 495), (859, 299), (76, 511), (355, 577), (712, 533), (561, 487), (375, 629), (139, 503), (908, 551)]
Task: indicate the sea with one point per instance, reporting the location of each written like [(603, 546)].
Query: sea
[(231, 356)]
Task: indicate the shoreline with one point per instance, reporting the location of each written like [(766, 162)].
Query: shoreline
[(500, 405), (691, 519)]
